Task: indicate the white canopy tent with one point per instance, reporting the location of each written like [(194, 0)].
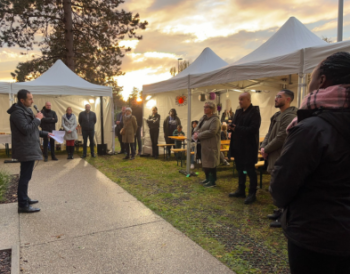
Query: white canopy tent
[(292, 50), (63, 88), (5, 101), (164, 93)]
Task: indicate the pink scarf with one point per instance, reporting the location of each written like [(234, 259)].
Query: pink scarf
[(333, 97)]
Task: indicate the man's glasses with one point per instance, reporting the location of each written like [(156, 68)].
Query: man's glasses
[(278, 97)]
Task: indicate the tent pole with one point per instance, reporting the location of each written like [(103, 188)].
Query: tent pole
[(113, 127), (189, 137), (102, 133), (340, 21), (300, 83)]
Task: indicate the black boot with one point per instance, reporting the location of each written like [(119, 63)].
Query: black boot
[(68, 152), (251, 198), (238, 193), (211, 180), (206, 179), (71, 152)]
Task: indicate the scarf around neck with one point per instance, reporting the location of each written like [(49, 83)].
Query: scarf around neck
[(333, 97)]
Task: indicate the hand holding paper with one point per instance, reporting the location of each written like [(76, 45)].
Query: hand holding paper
[(58, 136)]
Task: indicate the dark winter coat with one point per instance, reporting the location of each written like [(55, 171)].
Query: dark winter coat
[(25, 134), (167, 131), (245, 137), (137, 112), (87, 125), (311, 181), (153, 121), (48, 122), (277, 134), (120, 117)]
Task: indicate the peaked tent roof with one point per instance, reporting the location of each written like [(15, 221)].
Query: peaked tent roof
[(292, 36), (60, 80), (207, 61)]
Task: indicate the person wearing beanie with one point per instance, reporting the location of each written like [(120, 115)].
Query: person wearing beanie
[(128, 132)]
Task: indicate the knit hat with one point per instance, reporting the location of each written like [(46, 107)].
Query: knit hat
[(128, 109)]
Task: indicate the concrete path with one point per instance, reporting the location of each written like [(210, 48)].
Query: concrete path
[(88, 224)]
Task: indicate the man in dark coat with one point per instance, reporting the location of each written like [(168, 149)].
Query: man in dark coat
[(87, 121), (25, 145), (120, 125), (48, 124), (244, 146)]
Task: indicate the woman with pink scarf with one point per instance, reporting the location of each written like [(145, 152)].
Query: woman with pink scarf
[(311, 179)]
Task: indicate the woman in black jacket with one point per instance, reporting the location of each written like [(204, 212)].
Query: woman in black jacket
[(153, 122), (170, 124), (311, 179)]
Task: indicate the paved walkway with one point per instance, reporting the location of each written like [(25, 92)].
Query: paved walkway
[(88, 224)]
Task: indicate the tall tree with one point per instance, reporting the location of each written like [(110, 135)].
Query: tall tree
[(85, 34)]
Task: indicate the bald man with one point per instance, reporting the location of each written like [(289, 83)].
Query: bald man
[(48, 123), (244, 146), (87, 121)]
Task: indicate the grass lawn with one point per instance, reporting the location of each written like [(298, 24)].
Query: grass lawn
[(237, 234), (4, 182)]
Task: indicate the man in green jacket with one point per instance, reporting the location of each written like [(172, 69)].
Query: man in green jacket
[(272, 145)]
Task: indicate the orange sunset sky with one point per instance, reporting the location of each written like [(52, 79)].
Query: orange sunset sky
[(183, 28)]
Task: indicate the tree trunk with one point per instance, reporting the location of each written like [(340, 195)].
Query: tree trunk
[(68, 31)]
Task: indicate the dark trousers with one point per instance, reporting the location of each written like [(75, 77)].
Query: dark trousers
[(304, 261), (120, 139), (129, 146), (169, 141), (253, 177), (91, 135), (154, 132), (24, 178), (52, 146), (138, 139)]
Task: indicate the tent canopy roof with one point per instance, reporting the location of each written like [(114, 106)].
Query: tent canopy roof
[(207, 61), (5, 87), (292, 36), (60, 80)]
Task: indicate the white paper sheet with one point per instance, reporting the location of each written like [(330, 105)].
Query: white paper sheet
[(58, 136)]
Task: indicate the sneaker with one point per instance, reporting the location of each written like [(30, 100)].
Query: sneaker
[(192, 166), (227, 163), (250, 199), (199, 161), (209, 184)]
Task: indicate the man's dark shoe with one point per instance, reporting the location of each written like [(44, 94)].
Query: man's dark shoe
[(250, 199), (84, 156), (31, 202), (121, 152), (204, 181), (237, 194), (54, 159), (126, 158), (275, 215), (45, 160), (93, 155), (28, 209), (132, 158), (276, 223), (209, 184)]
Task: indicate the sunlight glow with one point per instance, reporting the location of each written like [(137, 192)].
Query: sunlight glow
[(129, 43)]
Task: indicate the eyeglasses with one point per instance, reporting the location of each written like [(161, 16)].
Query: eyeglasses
[(207, 107), (278, 97)]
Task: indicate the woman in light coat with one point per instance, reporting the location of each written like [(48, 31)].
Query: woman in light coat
[(208, 132), (69, 124), (128, 133)]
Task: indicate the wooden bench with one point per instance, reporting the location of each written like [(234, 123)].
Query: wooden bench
[(164, 146), (178, 152)]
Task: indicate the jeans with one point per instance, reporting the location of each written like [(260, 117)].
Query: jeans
[(24, 178), (304, 261), (138, 139), (52, 146), (129, 146), (91, 135), (154, 132), (253, 177)]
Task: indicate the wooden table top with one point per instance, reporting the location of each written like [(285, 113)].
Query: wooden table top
[(180, 138)]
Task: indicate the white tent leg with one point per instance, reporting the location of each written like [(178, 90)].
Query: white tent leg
[(113, 129), (189, 130), (300, 83)]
